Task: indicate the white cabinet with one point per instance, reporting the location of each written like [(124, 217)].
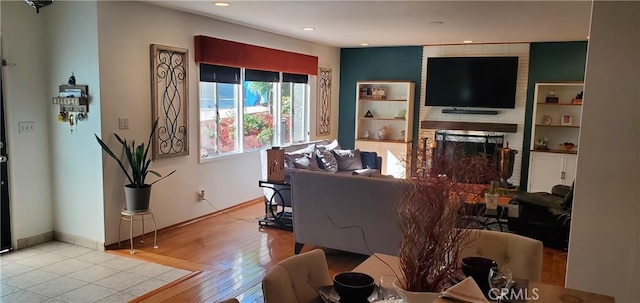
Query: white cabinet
[(547, 169), (393, 154), (386, 105)]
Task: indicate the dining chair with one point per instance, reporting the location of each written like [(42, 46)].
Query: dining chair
[(296, 279), (521, 254)]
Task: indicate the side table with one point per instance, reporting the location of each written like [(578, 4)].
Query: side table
[(130, 216), (487, 217), (273, 217)]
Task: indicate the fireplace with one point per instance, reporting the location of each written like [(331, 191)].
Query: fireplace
[(452, 146)]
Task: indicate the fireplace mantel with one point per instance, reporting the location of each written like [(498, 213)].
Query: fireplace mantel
[(477, 126)]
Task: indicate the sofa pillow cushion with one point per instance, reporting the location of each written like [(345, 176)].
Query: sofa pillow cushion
[(302, 161), (369, 160), (331, 146), (326, 160), (348, 159), (307, 150), (302, 158)]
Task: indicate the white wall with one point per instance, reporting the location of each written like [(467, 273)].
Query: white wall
[(27, 98), (125, 31), (72, 46), (515, 116), (604, 248)]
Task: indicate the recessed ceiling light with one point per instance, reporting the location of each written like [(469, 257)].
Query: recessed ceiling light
[(436, 22), (220, 3), (364, 44), (308, 28), (467, 41), (587, 37)]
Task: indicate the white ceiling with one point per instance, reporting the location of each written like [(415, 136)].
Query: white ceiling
[(394, 23)]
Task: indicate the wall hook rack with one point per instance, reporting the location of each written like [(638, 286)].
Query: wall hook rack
[(73, 98)]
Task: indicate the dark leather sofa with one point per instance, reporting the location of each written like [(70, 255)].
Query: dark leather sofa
[(535, 219)]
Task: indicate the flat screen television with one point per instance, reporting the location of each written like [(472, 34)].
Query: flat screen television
[(472, 82)]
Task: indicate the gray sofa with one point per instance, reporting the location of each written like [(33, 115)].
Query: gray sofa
[(326, 205), (286, 200)]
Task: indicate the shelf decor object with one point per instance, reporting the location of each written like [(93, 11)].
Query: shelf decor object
[(551, 98), (323, 120), (169, 96), (578, 99)]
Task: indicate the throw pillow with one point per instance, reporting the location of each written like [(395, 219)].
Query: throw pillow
[(327, 160), (331, 146), (303, 158), (369, 159), (348, 159), (307, 150), (302, 161)]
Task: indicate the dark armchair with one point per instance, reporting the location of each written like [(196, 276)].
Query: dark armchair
[(536, 218)]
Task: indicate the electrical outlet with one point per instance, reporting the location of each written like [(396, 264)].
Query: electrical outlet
[(201, 195)]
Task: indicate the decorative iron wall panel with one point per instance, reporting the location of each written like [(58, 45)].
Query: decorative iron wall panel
[(323, 108), (169, 98)]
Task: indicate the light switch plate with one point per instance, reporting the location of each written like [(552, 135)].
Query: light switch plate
[(123, 122), (26, 127)]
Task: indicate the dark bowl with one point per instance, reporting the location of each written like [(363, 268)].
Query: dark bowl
[(353, 286), (478, 268)]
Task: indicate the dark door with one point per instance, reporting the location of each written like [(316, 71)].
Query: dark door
[(5, 226)]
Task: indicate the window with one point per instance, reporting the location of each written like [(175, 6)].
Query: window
[(244, 109)]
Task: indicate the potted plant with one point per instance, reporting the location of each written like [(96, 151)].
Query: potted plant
[(434, 225), (137, 192)]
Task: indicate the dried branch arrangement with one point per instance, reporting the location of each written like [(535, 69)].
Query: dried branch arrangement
[(432, 220)]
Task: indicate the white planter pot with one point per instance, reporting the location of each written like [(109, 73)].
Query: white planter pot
[(415, 297)]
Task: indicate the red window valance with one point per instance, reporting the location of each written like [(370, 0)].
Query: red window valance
[(224, 52)]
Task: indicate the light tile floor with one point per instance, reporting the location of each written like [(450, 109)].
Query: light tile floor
[(61, 272)]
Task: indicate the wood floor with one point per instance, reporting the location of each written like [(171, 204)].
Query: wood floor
[(229, 255)]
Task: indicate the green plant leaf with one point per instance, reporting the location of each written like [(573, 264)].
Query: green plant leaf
[(153, 131), (169, 174), (137, 158), (110, 153)]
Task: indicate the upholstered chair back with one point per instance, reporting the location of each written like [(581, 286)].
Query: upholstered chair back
[(521, 254), (296, 279)]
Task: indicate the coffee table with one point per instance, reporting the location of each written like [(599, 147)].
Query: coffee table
[(489, 217)]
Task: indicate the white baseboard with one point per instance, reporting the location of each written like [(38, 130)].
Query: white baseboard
[(34, 240), (56, 235), (76, 240)]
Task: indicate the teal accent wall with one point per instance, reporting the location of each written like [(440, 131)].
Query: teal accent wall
[(550, 62), (368, 64)]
